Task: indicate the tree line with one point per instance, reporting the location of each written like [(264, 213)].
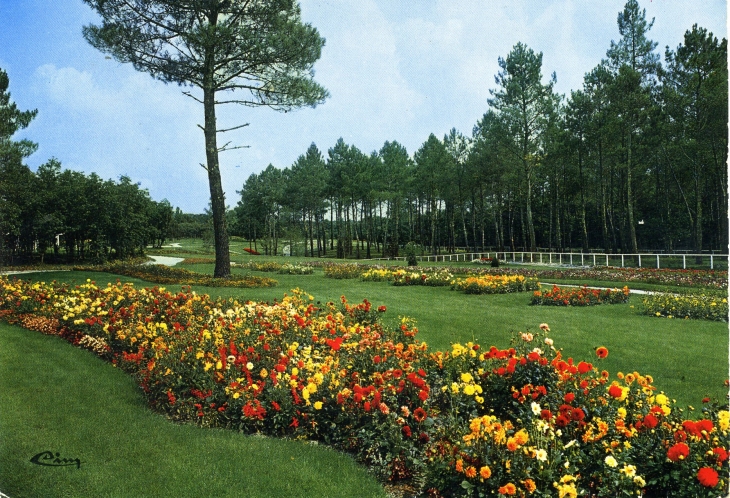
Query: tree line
[(636, 158), (66, 213)]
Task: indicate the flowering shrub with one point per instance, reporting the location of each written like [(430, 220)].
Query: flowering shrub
[(378, 275), (341, 271), (468, 422), (698, 306), (579, 296), (495, 284), (198, 261), (161, 274), (438, 278), (265, 266), (296, 269)]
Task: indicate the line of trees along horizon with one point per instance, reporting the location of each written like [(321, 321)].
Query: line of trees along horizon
[(636, 158)]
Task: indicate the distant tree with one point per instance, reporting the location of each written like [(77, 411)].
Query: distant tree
[(257, 48), (16, 180), (634, 66), (695, 94)]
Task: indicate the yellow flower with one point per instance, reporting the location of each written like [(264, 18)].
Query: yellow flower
[(611, 461), (466, 377), (317, 405)]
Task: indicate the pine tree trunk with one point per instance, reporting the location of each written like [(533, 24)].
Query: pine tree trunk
[(217, 199)]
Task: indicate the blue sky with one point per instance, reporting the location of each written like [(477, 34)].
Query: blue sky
[(396, 70)]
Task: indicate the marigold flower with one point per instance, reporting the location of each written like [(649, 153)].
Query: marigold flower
[(485, 472), (611, 461), (471, 472), (459, 465), (507, 489), (601, 352), (708, 477), (530, 485)]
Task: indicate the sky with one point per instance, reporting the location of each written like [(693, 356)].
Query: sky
[(395, 70)]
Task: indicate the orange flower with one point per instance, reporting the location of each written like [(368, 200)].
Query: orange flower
[(471, 472), (460, 465), (485, 472), (601, 352), (530, 485), (507, 489)]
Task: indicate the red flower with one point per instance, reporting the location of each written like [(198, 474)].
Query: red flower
[(381, 309), (720, 453), (615, 391), (546, 414), (562, 421), (708, 477), (584, 367), (423, 395), (679, 451), (650, 421), (601, 352), (419, 414), (569, 397), (406, 431)]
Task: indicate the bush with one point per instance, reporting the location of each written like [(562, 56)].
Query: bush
[(410, 251)]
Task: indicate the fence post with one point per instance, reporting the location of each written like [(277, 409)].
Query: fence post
[(712, 266), (639, 260), (571, 259), (622, 261), (657, 261), (684, 261), (606, 259)]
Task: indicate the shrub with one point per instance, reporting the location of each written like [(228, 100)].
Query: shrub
[(410, 251)]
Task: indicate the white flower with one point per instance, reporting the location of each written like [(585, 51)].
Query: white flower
[(536, 408), (572, 443), (548, 341), (249, 365), (541, 455)]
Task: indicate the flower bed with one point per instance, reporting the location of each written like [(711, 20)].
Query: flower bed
[(579, 296), (495, 284), (696, 306), (161, 274), (377, 275), (343, 270), (296, 269), (468, 422), (438, 278), (264, 266)]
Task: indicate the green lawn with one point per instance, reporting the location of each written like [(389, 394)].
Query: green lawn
[(57, 398)]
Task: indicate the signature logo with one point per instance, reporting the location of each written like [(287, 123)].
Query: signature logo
[(50, 459)]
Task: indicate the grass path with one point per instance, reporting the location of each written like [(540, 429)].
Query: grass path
[(58, 398)]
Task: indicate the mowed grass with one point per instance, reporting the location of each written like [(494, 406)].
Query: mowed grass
[(61, 399)]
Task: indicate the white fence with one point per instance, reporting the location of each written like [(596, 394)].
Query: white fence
[(645, 260)]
